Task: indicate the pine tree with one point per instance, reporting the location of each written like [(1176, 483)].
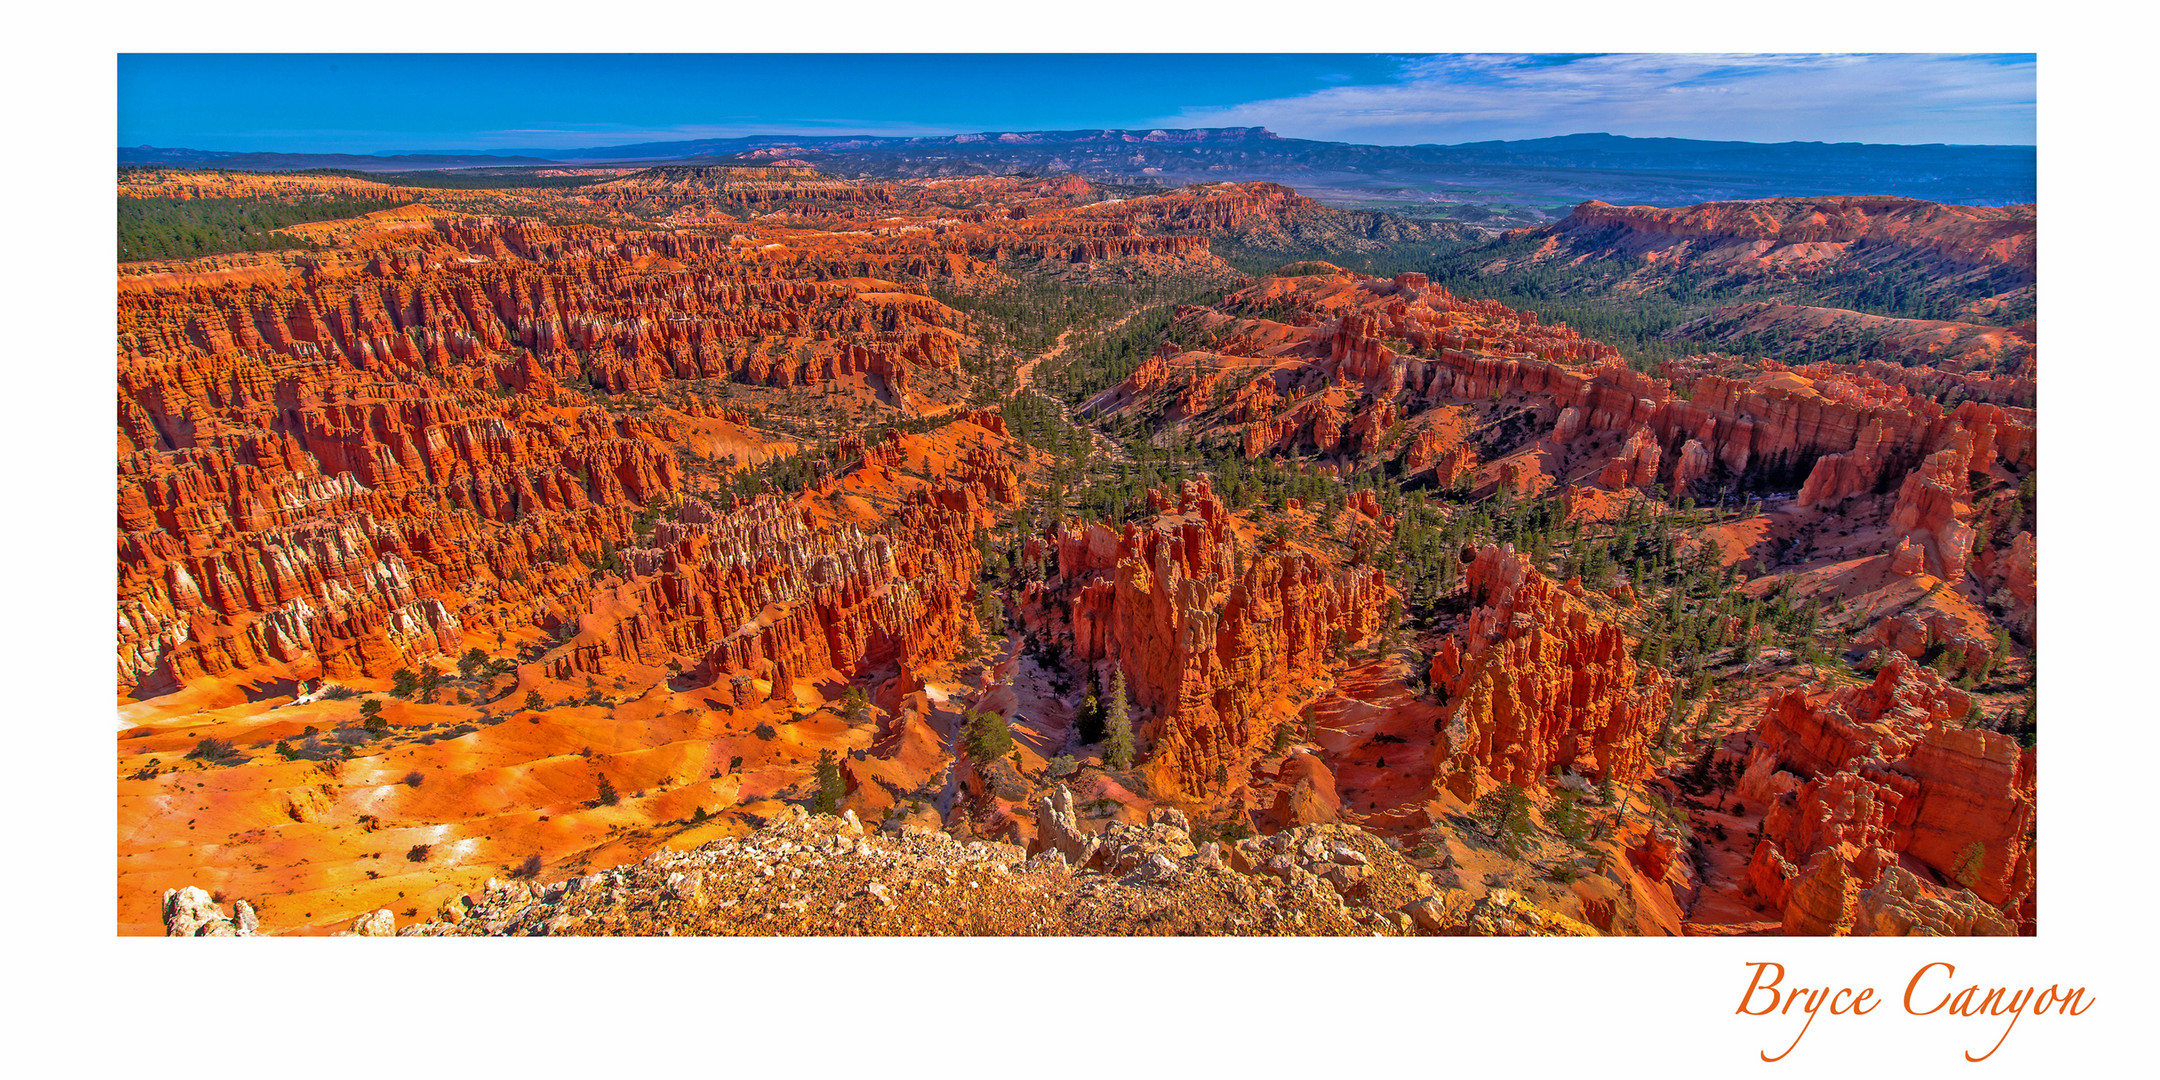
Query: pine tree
[(830, 785), (854, 705), (1505, 813), (1570, 820), (987, 737), (532, 700), (1117, 725)]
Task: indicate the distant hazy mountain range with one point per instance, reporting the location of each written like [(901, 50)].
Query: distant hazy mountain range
[(1530, 178)]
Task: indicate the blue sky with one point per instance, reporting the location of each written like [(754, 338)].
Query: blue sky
[(374, 103)]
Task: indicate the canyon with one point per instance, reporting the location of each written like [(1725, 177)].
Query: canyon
[(553, 558)]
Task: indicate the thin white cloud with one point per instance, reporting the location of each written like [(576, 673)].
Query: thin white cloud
[(1904, 98)]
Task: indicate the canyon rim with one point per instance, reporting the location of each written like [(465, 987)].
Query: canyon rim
[(1123, 531)]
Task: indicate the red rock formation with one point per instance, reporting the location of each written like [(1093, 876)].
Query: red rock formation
[(1889, 766), (762, 591), (1915, 634), (2014, 572), (1534, 680), (454, 423), (349, 461), (1815, 734), (1864, 892), (1385, 357), (1976, 787), (1305, 794), (1442, 449), (1694, 464), (1637, 463), (1941, 350), (325, 534), (1900, 904), (1805, 232), (1208, 631), (1931, 508)]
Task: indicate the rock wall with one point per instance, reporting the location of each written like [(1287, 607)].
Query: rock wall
[(1359, 358), (1208, 631), (1534, 680), (1808, 231), (1889, 766), (341, 462)]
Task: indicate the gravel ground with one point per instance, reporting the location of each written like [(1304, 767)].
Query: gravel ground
[(802, 875)]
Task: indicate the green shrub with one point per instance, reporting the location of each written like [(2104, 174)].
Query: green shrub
[(1117, 726), (832, 787), (166, 228), (854, 705), (1090, 720), (1570, 820), (988, 737), (1505, 814), (214, 751)]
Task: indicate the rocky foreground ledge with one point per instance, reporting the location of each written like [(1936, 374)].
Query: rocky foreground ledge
[(813, 875)]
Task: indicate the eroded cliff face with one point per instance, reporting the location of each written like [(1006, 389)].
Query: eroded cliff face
[(1863, 777), (1299, 387), (703, 478), (1364, 375), (436, 429), (1799, 231), (343, 477), (352, 533), (1211, 630), (1535, 681), (762, 596), (1990, 363)]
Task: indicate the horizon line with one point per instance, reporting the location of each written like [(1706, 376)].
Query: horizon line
[(841, 136)]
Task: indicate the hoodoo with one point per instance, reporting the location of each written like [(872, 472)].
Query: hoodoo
[(636, 549)]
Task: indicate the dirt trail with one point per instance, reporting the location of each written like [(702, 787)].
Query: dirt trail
[(1024, 377)]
